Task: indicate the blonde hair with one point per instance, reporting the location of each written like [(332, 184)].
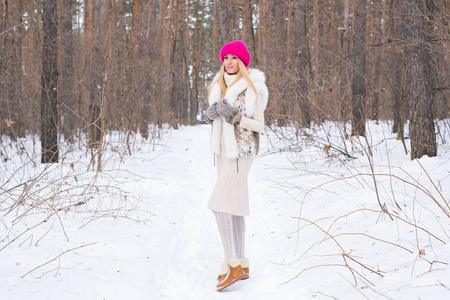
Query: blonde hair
[(242, 72)]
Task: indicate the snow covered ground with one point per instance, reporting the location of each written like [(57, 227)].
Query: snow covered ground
[(141, 229)]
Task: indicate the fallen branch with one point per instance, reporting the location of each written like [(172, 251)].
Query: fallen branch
[(82, 246)]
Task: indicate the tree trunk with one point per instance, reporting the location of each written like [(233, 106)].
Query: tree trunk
[(222, 14), (248, 35), (49, 78), (278, 59), (66, 95), (89, 67), (198, 40), (397, 62), (5, 51), (96, 108), (301, 61), (359, 69), (163, 102), (11, 74), (419, 81), (377, 65), (152, 11), (279, 28), (94, 83), (233, 20), (136, 29), (344, 81), (315, 61), (371, 68), (315, 44), (138, 121), (2, 50), (216, 41), (262, 30)]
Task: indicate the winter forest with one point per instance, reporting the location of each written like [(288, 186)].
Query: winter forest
[(105, 169)]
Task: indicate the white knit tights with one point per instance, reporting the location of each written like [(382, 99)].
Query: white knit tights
[(232, 232)]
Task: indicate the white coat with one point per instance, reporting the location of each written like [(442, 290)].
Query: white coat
[(230, 194)]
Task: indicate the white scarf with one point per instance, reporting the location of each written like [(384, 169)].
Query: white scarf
[(229, 79)]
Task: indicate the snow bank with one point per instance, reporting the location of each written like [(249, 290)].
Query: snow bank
[(316, 230)]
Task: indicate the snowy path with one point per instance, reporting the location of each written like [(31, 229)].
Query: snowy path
[(192, 248), (176, 253)]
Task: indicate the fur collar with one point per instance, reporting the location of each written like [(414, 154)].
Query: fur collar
[(257, 77)]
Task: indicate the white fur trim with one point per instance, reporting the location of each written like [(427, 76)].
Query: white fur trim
[(214, 96), (263, 94), (224, 269), (259, 81), (234, 90), (215, 136), (234, 262), (231, 149), (245, 263)]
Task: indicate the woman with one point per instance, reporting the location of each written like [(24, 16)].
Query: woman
[(237, 98)]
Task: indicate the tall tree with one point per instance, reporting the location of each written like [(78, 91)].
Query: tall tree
[(344, 51), (359, 68), (66, 95), (315, 44), (419, 80), (216, 38), (11, 74), (180, 82), (100, 11), (248, 35), (197, 47), (396, 61), (136, 80), (301, 61), (4, 58), (49, 77), (374, 57), (89, 77)]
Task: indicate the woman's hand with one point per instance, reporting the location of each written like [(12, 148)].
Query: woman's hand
[(224, 108), (212, 111), (229, 113)]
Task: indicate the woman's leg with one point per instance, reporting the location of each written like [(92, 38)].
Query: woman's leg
[(238, 223), (226, 233), (231, 270)]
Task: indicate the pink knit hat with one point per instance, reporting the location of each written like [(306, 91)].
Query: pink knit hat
[(237, 48)]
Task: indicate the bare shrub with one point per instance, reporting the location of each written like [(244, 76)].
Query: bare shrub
[(33, 194), (399, 196)]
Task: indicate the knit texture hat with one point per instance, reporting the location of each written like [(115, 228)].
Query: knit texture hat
[(237, 48)]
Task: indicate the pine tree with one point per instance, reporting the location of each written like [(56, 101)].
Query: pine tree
[(49, 78)]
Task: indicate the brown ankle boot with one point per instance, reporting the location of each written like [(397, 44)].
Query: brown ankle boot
[(224, 268), (235, 274), (245, 266), (247, 274)]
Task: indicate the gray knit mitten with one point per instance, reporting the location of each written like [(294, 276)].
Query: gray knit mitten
[(211, 113), (225, 110)]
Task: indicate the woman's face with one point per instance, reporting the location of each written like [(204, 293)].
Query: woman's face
[(231, 63)]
